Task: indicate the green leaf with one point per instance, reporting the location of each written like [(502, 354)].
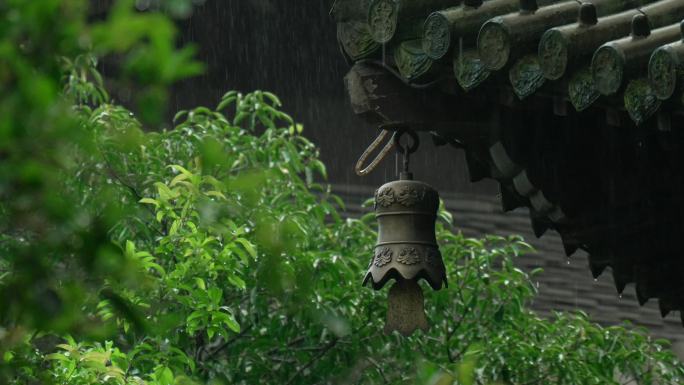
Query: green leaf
[(163, 375), (237, 281), (179, 115), (149, 201), (175, 225), (215, 295), (320, 167), (165, 193), (55, 356), (248, 246), (195, 315), (274, 99), (217, 194), (228, 320), (177, 179)]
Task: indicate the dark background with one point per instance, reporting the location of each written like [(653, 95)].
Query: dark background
[(290, 48)]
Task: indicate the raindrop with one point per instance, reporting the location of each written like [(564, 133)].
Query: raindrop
[(595, 279), (567, 261)]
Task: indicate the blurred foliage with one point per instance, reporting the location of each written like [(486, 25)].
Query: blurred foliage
[(209, 253)]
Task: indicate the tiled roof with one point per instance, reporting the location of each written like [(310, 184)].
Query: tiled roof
[(572, 106), (629, 50)]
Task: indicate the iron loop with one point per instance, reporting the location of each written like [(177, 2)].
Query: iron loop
[(406, 150)]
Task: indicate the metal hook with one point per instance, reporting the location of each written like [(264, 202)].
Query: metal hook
[(408, 150)]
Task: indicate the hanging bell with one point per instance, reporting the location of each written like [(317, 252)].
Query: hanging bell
[(406, 250)]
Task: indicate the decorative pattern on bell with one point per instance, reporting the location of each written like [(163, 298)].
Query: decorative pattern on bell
[(406, 250)]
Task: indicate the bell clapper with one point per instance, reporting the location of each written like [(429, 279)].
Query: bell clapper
[(405, 311)]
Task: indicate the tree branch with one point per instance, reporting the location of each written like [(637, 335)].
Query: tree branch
[(315, 358)]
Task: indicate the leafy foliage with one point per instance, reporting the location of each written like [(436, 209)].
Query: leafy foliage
[(209, 253)]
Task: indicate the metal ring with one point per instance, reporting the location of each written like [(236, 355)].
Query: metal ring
[(396, 139)]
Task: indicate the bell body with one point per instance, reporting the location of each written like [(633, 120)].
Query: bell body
[(406, 249)]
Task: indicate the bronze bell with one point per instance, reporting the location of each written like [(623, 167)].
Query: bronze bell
[(406, 250)]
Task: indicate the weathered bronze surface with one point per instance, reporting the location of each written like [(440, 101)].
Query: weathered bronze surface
[(406, 251), (406, 248)]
